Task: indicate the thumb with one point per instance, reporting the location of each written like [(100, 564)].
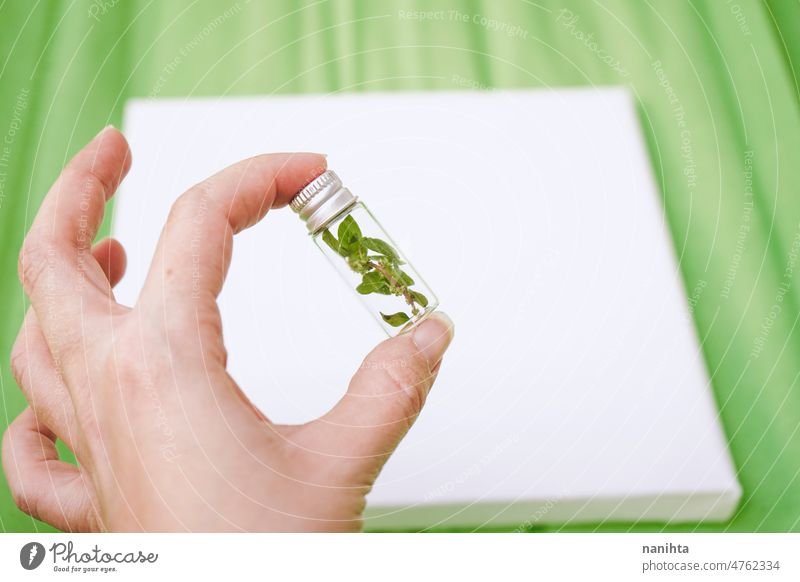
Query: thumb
[(386, 395)]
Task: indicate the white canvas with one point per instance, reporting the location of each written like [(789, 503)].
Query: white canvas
[(575, 389)]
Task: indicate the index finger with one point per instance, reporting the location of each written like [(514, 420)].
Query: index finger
[(194, 251)]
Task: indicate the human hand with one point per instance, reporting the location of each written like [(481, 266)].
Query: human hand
[(164, 438)]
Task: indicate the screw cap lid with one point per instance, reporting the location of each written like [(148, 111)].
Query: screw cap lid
[(322, 200)]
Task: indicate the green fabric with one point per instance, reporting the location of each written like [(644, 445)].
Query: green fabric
[(727, 84)]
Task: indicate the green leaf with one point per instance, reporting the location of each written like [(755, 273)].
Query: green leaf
[(349, 228), (395, 319), (375, 278), (373, 282), (331, 241), (367, 289), (349, 235), (405, 278), (420, 298), (379, 246)]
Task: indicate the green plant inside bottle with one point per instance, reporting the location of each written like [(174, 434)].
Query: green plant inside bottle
[(379, 266)]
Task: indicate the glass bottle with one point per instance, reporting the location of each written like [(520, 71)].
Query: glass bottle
[(364, 255)]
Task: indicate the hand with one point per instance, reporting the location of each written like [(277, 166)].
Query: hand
[(164, 438)]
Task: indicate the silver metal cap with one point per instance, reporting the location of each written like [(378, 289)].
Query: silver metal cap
[(322, 201)]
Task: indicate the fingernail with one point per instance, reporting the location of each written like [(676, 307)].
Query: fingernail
[(432, 337), (102, 131)]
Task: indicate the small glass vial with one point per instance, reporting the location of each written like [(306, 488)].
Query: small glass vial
[(364, 254)]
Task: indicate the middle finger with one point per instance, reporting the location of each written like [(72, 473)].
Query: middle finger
[(38, 374)]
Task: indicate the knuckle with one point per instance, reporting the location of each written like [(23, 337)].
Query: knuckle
[(34, 262), (19, 499), (94, 182), (91, 181), (180, 207), (19, 495), (22, 500), (19, 364), (408, 389), (208, 320), (193, 203), (7, 440)]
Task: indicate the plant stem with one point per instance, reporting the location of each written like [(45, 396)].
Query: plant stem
[(394, 282)]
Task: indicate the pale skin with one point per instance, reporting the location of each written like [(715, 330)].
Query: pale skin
[(164, 437)]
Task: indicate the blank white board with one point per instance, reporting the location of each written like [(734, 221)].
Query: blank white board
[(575, 389)]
